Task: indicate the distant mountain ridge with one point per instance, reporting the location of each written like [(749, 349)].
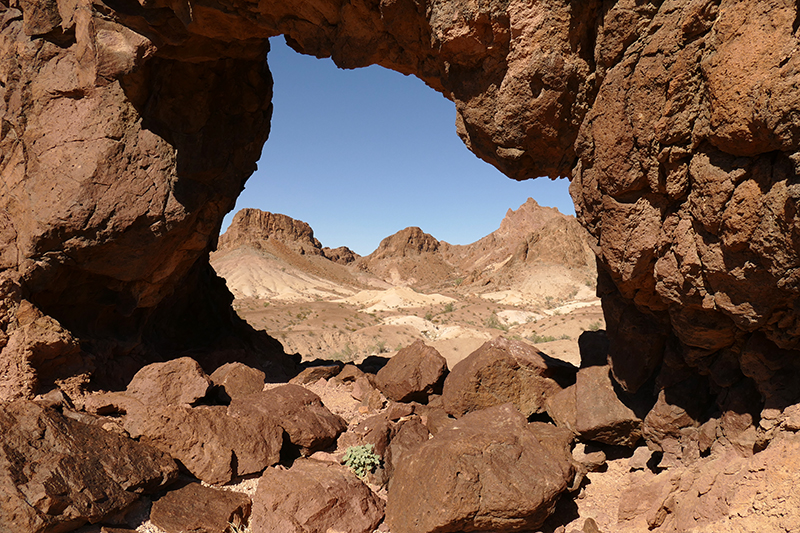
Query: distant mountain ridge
[(527, 237)]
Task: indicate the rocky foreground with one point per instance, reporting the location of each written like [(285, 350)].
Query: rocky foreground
[(510, 439)]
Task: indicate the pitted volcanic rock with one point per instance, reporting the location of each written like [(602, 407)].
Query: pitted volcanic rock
[(128, 133)]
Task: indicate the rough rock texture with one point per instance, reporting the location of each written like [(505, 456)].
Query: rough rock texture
[(501, 371), (133, 127), (412, 374), (236, 379), (720, 493), (314, 497), (177, 382), (487, 472), (213, 446), (251, 227), (57, 474), (200, 509), (309, 424), (598, 412)]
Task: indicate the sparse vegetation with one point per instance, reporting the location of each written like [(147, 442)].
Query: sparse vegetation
[(494, 322), (428, 316), (594, 326), (237, 527), (535, 338), (449, 308), (361, 459), (345, 355)]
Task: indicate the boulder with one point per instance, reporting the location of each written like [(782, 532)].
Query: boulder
[(350, 373), (592, 409), (57, 474), (501, 371), (177, 382), (406, 437), (412, 374), (487, 472), (213, 446), (314, 497), (232, 380), (308, 423), (313, 374), (198, 509)]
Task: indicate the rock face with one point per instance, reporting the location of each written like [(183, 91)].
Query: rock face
[(252, 227), (134, 129), (57, 474), (487, 472)]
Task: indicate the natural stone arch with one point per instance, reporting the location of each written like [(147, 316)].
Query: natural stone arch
[(679, 134)]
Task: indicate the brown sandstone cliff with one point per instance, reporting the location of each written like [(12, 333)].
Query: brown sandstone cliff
[(128, 130)]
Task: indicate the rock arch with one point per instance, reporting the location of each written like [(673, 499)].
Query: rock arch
[(129, 128)]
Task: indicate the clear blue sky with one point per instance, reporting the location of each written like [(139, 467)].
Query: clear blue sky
[(361, 154)]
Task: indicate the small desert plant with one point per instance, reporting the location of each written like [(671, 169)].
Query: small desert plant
[(428, 316), (594, 326), (448, 308), (237, 527), (361, 459)]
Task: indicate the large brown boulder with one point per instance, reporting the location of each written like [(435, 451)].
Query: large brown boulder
[(412, 374), (200, 509), (593, 410), (177, 382), (213, 446), (314, 497), (501, 371), (232, 380), (57, 474), (308, 423), (487, 472)]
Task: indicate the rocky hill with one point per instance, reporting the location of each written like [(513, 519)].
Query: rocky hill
[(269, 255), (269, 250)]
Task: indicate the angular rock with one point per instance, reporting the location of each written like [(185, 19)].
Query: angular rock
[(213, 446), (592, 409), (488, 472), (350, 373), (313, 374), (309, 424), (314, 497), (412, 374), (601, 415), (200, 509), (396, 411), (57, 474), (501, 371), (232, 380), (177, 382), (406, 438)]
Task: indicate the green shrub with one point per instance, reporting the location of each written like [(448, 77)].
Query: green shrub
[(448, 308), (361, 459)]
